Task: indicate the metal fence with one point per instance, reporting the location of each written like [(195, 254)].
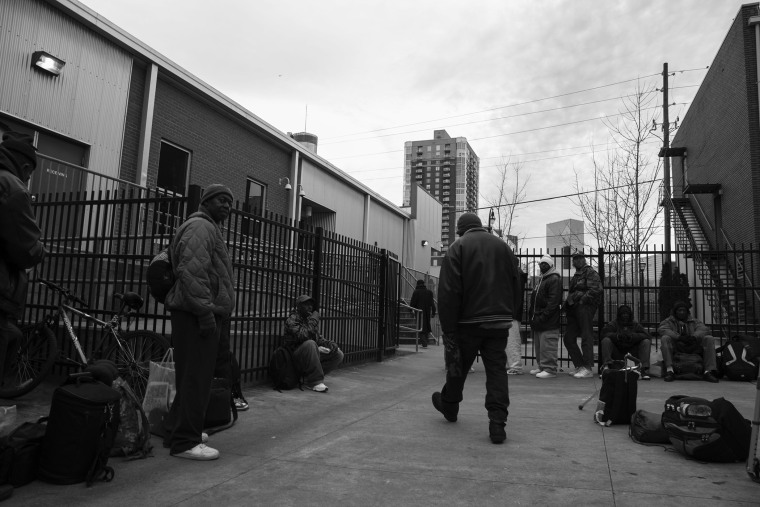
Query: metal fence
[(720, 288), (101, 244)]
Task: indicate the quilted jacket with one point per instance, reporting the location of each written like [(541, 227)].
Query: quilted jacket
[(202, 268)]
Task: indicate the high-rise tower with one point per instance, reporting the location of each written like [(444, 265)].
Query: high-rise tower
[(449, 170)]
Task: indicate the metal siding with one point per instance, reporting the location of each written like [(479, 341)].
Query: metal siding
[(87, 102)]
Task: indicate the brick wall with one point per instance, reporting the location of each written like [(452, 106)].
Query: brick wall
[(131, 142), (223, 150), (716, 133)]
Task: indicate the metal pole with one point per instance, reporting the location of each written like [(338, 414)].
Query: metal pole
[(666, 158)]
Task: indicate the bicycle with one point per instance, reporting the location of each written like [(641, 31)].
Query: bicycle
[(33, 357)]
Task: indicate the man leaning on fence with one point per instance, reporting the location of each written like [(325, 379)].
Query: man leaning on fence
[(20, 246), (200, 301), (582, 302)]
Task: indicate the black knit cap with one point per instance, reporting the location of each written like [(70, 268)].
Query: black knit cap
[(420, 283), (216, 189), (468, 221), (21, 144)]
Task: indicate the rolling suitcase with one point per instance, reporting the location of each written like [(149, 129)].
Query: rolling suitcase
[(83, 421)]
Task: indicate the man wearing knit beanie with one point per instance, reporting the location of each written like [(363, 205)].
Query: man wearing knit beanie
[(544, 315), (20, 245), (682, 333), (200, 303), (478, 293)]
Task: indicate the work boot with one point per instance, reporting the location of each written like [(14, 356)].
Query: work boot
[(497, 432), (449, 413)]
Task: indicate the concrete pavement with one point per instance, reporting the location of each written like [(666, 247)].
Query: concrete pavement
[(375, 439)]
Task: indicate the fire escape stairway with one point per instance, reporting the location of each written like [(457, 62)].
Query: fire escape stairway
[(712, 267)]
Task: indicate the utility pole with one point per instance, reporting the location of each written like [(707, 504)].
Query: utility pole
[(666, 158)]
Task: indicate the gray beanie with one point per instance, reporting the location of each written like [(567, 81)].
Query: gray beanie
[(215, 189)]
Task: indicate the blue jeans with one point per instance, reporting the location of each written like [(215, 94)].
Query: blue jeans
[(545, 344), (580, 323), (493, 352)]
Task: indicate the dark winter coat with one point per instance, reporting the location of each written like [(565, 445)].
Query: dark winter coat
[(20, 246), (585, 287), (203, 269), (479, 284), (624, 336), (422, 299), (545, 301)]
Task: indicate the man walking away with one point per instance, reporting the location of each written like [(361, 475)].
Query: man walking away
[(422, 299), (477, 294)]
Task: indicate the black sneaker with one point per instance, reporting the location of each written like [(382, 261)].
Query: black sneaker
[(709, 377), (438, 404), (669, 376), (645, 375), (496, 432)]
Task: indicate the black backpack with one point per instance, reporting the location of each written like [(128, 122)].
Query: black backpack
[(83, 422), (707, 430), (282, 370), (646, 428), (19, 453), (736, 361), (688, 366), (160, 275), (617, 397)]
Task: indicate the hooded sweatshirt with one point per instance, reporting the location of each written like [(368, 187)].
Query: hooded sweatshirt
[(545, 301)]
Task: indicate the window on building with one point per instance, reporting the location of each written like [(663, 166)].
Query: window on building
[(173, 168), (255, 203)]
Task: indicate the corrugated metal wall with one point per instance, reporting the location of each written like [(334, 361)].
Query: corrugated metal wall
[(87, 102)]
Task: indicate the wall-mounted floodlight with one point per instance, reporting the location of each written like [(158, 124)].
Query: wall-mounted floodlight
[(288, 186), (425, 242), (301, 193), (47, 63)]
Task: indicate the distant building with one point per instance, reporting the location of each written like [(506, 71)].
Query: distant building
[(449, 170)]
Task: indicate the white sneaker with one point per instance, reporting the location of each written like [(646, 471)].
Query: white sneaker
[(546, 374), (200, 452), (535, 371), (320, 388), (574, 371), (584, 372), (204, 437)]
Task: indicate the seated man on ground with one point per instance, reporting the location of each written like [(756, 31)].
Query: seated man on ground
[(313, 355), (682, 333), (626, 336)]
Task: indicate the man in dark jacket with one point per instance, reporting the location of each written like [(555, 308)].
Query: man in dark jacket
[(20, 246), (200, 301), (313, 355), (544, 312), (477, 294), (422, 299), (626, 336), (583, 300)]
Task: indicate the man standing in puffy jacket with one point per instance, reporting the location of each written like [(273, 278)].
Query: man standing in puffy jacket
[(583, 300), (478, 291), (202, 298), (20, 246), (545, 301)]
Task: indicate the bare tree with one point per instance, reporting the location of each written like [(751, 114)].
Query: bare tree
[(621, 207), (509, 192)]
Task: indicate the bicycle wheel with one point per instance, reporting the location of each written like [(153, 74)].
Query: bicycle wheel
[(133, 361), (29, 361)]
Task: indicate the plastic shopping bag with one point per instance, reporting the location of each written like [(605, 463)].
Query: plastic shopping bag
[(160, 391)]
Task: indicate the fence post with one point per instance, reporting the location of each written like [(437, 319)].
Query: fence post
[(600, 318), (381, 323), (193, 199), (317, 284)]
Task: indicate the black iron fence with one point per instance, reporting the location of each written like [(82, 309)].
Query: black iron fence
[(717, 283), (101, 243)]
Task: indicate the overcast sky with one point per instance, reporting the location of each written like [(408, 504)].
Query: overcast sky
[(527, 81)]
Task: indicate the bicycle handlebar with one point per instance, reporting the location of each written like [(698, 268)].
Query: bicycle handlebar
[(66, 293)]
